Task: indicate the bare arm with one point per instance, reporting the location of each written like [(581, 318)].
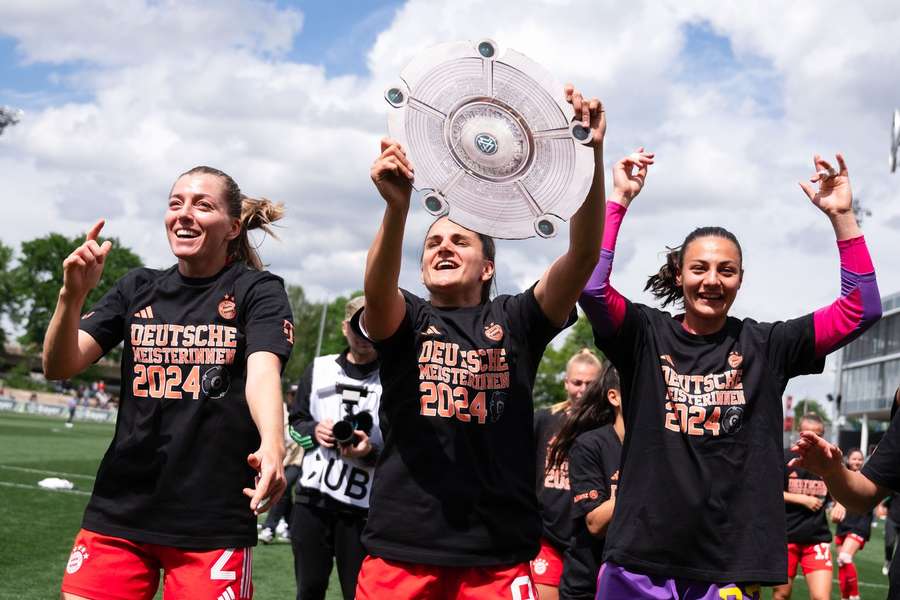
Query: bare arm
[(810, 502), (598, 520), (68, 350), (851, 488), (562, 283), (385, 307), (263, 393)]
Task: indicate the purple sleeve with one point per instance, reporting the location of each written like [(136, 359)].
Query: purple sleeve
[(859, 305), (603, 305)]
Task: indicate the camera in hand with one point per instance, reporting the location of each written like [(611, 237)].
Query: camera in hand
[(344, 431)]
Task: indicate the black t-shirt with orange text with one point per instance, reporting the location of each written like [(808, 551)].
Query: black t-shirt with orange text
[(594, 473), (177, 464), (805, 526), (454, 485), (700, 488), (554, 496)]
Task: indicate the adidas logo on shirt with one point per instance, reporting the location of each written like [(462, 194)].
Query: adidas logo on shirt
[(432, 330), (146, 313)]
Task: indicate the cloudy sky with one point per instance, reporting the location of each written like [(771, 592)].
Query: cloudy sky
[(122, 95)]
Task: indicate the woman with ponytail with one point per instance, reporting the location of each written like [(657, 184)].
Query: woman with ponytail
[(199, 445), (590, 441), (700, 509)]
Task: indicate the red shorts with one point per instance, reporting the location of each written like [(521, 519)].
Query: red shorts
[(839, 539), (379, 579), (103, 567), (547, 566), (812, 557)]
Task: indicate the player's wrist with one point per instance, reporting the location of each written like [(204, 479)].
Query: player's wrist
[(72, 298)]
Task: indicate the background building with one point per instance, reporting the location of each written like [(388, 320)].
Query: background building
[(868, 373)]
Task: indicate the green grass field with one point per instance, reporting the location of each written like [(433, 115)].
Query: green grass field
[(38, 526)]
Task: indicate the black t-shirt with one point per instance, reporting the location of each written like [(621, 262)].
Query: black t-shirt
[(893, 506), (594, 474), (804, 526), (454, 485), (554, 497), (700, 489), (177, 465), (883, 468), (861, 525)]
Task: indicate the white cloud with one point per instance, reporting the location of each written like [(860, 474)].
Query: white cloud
[(172, 85)]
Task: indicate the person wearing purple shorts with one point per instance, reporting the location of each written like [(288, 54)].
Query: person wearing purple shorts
[(700, 509)]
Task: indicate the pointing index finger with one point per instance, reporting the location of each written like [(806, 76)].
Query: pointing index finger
[(94, 231)]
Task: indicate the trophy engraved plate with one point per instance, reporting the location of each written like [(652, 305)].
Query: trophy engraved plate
[(492, 139)]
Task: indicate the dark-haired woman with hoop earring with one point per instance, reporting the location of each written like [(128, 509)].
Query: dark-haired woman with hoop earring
[(591, 441), (699, 509)]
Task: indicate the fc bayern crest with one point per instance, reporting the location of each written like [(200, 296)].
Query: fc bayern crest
[(494, 143)]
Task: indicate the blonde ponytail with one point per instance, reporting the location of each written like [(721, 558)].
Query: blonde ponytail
[(256, 213)]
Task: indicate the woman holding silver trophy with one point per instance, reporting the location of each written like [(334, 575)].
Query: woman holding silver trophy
[(453, 510)]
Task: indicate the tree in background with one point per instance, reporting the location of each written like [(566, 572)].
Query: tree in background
[(36, 280), (806, 406), (307, 320), (548, 387), (6, 288)]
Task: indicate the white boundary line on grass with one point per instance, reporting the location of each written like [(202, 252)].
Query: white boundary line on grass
[(25, 486), (45, 472)]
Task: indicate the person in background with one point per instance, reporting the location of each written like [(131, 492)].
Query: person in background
[(554, 495), (853, 531), (335, 419), (808, 535)]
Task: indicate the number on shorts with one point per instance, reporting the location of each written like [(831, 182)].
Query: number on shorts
[(217, 574), (521, 586), (731, 593), (823, 551)]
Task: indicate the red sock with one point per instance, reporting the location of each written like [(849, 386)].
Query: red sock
[(849, 582)]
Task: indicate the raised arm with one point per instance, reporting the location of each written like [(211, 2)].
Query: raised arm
[(604, 306), (392, 174), (560, 285), (68, 350), (859, 305)]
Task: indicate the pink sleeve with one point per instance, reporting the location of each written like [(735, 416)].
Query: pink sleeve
[(859, 305), (603, 305)]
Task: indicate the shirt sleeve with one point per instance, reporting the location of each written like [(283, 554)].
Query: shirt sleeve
[(105, 321), (601, 302), (883, 467), (302, 423), (532, 325), (792, 347), (587, 478), (414, 305), (268, 321)]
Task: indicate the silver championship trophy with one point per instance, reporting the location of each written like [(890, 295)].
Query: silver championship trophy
[(895, 140), (493, 141)]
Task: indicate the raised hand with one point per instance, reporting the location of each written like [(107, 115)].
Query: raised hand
[(833, 196), (84, 266), (629, 175), (589, 112), (392, 174), (816, 455)]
